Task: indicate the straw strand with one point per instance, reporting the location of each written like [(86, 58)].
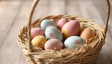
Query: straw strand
[(29, 24), (107, 17)]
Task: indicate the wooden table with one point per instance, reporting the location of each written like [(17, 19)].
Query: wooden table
[(14, 15)]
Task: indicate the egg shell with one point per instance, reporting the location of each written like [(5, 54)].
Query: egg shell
[(61, 23), (88, 35), (71, 28), (73, 42), (46, 23), (53, 44), (53, 32), (37, 31), (39, 41)]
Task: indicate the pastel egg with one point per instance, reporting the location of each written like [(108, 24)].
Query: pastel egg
[(73, 42), (39, 41), (53, 44), (71, 28), (46, 23), (37, 31), (53, 32), (61, 22), (88, 35)]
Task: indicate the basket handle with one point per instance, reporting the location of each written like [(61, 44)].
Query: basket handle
[(29, 24), (31, 14), (107, 17)]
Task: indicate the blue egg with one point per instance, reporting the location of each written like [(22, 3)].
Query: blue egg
[(46, 23), (53, 32), (73, 42)]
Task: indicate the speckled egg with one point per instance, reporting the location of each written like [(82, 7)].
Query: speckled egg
[(37, 31), (61, 22), (53, 44), (73, 42), (71, 28), (53, 32), (88, 35), (39, 41), (46, 23)]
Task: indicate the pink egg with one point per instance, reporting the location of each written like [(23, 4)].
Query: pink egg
[(37, 31), (53, 44), (61, 22), (71, 28)]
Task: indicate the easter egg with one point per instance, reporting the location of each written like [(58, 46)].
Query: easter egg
[(61, 22), (71, 28), (46, 23), (88, 35), (53, 44), (37, 31), (73, 42), (39, 41), (53, 32)]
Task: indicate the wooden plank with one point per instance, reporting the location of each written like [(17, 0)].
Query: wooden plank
[(15, 53), (73, 8), (6, 17), (7, 44), (57, 7), (22, 60)]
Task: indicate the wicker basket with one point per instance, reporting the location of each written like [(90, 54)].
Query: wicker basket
[(87, 54)]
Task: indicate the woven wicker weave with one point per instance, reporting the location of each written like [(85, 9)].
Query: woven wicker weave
[(87, 54)]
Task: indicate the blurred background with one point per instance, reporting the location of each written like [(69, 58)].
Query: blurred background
[(14, 15)]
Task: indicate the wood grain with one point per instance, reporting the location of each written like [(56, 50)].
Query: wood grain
[(7, 18), (14, 15), (7, 43)]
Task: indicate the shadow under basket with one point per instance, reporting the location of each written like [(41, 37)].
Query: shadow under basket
[(87, 54)]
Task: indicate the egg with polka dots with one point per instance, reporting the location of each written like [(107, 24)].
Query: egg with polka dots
[(39, 41), (73, 42), (53, 32)]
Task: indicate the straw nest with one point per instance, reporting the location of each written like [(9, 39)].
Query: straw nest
[(86, 54)]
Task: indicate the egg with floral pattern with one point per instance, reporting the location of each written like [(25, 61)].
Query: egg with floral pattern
[(73, 42), (39, 41), (53, 32)]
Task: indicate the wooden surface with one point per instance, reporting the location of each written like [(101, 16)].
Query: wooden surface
[(14, 15)]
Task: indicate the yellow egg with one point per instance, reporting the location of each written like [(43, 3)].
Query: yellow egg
[(65, 33), (39, 41)]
